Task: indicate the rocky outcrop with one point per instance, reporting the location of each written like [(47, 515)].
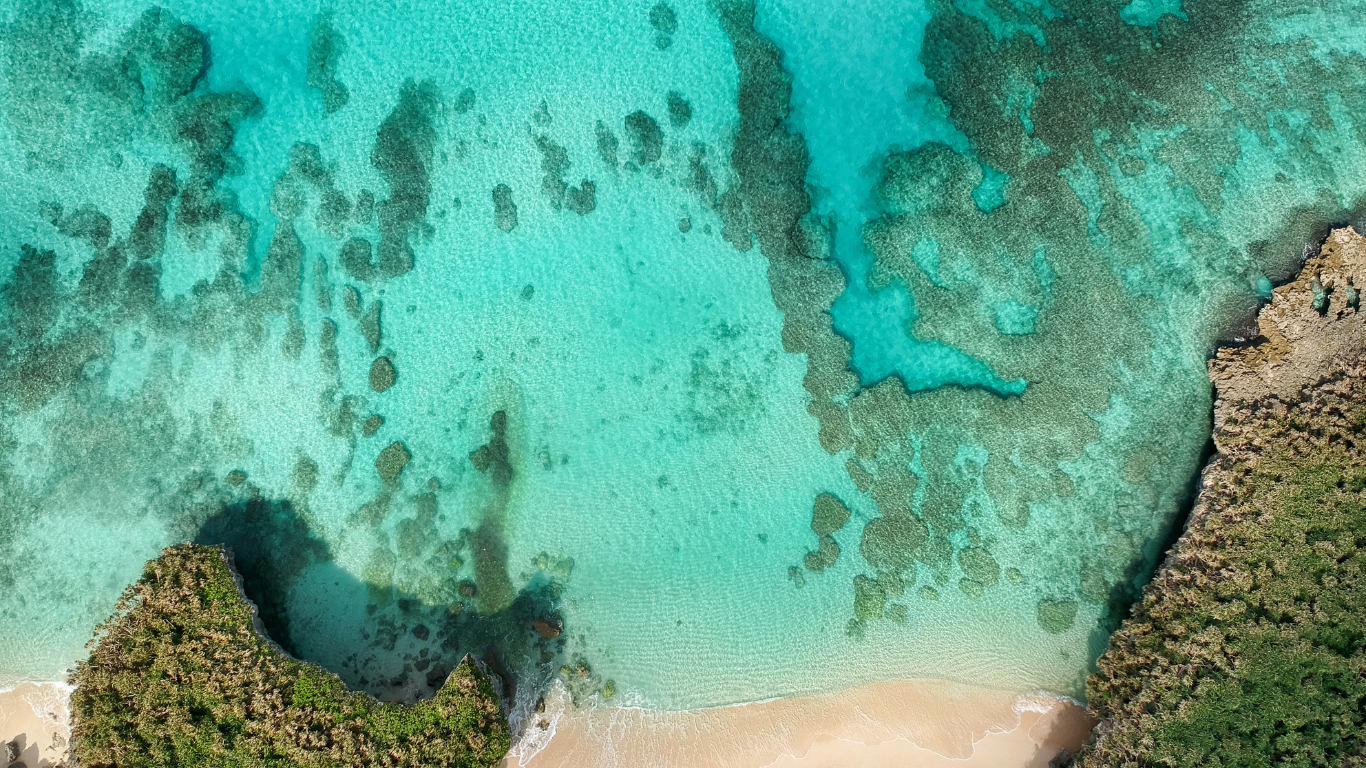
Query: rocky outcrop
[(1297, 343), (184, 674), (1249, 644)]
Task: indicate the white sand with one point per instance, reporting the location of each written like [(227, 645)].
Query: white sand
[(893, 724), (922, 723), (36, 716)]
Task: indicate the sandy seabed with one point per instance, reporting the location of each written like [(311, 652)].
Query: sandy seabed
[(921, 723)]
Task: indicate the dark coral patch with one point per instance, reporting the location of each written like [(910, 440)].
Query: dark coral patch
[(504, 209), (403, 156), (646, 137)]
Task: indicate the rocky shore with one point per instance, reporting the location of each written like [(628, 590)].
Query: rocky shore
[(1249, 645), (184, 675)]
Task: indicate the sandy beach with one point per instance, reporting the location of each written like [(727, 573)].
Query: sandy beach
[(35, 716), (921, 723)]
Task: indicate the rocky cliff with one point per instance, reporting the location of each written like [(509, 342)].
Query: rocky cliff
[(1249, 645)]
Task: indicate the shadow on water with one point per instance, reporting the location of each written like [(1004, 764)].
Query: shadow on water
[(272, 545), (1125, 594), (388, 643)]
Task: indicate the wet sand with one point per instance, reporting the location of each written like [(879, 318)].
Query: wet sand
[(35, 715), (921, 723)]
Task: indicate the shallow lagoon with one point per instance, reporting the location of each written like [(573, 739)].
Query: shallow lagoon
[(621, 367)]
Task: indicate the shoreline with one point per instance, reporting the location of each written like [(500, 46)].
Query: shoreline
[(922, 722), (37, 715)]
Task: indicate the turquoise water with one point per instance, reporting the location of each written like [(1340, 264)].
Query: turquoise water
[(449, 317)]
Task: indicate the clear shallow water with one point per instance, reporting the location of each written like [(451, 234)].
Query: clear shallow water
[(198, 360)]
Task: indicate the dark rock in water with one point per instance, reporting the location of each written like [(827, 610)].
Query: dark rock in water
[(680, 111), (421, 632), (493, 455), (1057, 616), (370, 326), (391, 461), (582, 199), (436, 677), (825, 556), (236, 477), (663, 19), (464, 102), (357, 259), (554, 162), (467, 589), (481, 458), (646, 136), (548, 628), (371, 425), (306, 475), (382, 374), (325, 46), (607, 144), (351, 301), (684, 225), (403, 156), (868, 599), (828, 515), (504, 210), (892, 543), (979, 565)]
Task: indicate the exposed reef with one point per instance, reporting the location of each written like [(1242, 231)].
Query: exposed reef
[(1249, 645), (1118, 252), (183, 675)]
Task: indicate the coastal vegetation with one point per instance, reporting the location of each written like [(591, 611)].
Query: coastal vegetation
[(183, 676), (1249, 646)]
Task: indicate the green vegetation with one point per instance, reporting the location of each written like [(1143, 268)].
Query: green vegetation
[(1249, 648), (180, 678)]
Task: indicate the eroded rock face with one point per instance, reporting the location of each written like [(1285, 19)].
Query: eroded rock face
[(1266, 581), (188, 611), (1297, 342)]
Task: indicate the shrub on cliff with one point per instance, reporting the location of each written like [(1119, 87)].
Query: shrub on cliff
[(180, 677), (1249, 648)]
